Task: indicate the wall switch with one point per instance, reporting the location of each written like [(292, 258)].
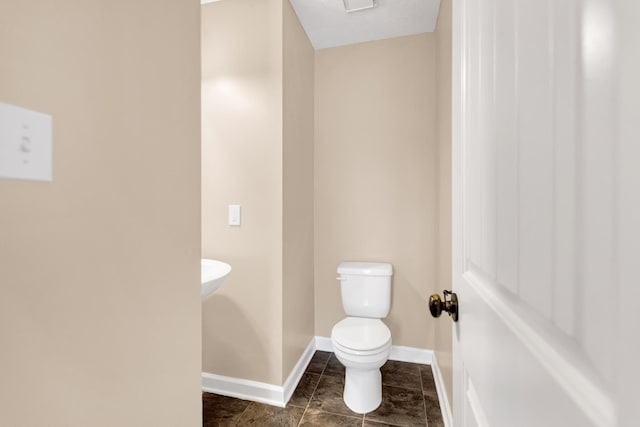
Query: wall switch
[(25, 144), (234, 214)]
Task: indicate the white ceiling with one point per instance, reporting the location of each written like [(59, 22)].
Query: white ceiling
[(328, 24)]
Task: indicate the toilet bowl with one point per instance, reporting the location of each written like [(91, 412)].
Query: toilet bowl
[(361, 341), (362, 345)]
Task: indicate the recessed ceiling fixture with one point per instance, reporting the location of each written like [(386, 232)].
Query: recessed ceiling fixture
[(356, 5)]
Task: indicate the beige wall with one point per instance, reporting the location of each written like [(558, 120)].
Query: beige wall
[(376, 176), (298, 313), (443, 128), (257, 152), (99, 270), (242, 164)]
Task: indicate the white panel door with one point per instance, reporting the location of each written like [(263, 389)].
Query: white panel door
[(546, 212)]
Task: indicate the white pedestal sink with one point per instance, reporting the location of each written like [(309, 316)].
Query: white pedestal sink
[(213, 274)]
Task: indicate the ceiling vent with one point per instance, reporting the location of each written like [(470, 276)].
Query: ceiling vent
[(357, 5)]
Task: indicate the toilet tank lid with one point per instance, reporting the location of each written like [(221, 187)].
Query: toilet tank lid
[(366, 268)]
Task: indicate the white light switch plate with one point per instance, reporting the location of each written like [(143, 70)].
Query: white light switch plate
[(25, 144), (234, 214)]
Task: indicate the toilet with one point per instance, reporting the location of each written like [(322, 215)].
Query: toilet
[(361, 341)]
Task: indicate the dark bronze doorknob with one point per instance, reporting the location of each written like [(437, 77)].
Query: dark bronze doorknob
[(450, 305)]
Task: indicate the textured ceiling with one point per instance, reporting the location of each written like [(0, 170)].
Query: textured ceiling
[(328, 24)]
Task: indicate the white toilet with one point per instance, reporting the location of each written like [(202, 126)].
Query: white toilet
[(362, 342)]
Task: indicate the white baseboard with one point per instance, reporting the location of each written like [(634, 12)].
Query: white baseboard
[(257, 391), (323, 344), (243, 389), (280, 395), (296, 374), (443, 398), (411, 354)]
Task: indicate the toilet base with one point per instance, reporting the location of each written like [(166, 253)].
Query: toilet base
[(362, 389)]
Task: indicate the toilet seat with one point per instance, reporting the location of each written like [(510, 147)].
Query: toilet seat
[(361, 336)]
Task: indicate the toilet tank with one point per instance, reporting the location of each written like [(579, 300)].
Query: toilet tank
[(365, 288)]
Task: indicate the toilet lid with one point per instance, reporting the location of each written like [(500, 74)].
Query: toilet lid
[(361, 334)]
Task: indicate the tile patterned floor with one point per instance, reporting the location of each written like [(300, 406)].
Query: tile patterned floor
[(409, 398)]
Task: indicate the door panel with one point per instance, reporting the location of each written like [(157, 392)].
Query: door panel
[(537, 221), (474, 413), (627, 346)]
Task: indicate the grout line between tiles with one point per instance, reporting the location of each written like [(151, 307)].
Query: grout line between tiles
[(302, 417), (399, 386), (312, 393), (316, 388), (424, 403), (241, 414), (325, 367), (339, 414)]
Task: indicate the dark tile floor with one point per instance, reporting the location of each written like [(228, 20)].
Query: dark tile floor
[(409, 398)]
